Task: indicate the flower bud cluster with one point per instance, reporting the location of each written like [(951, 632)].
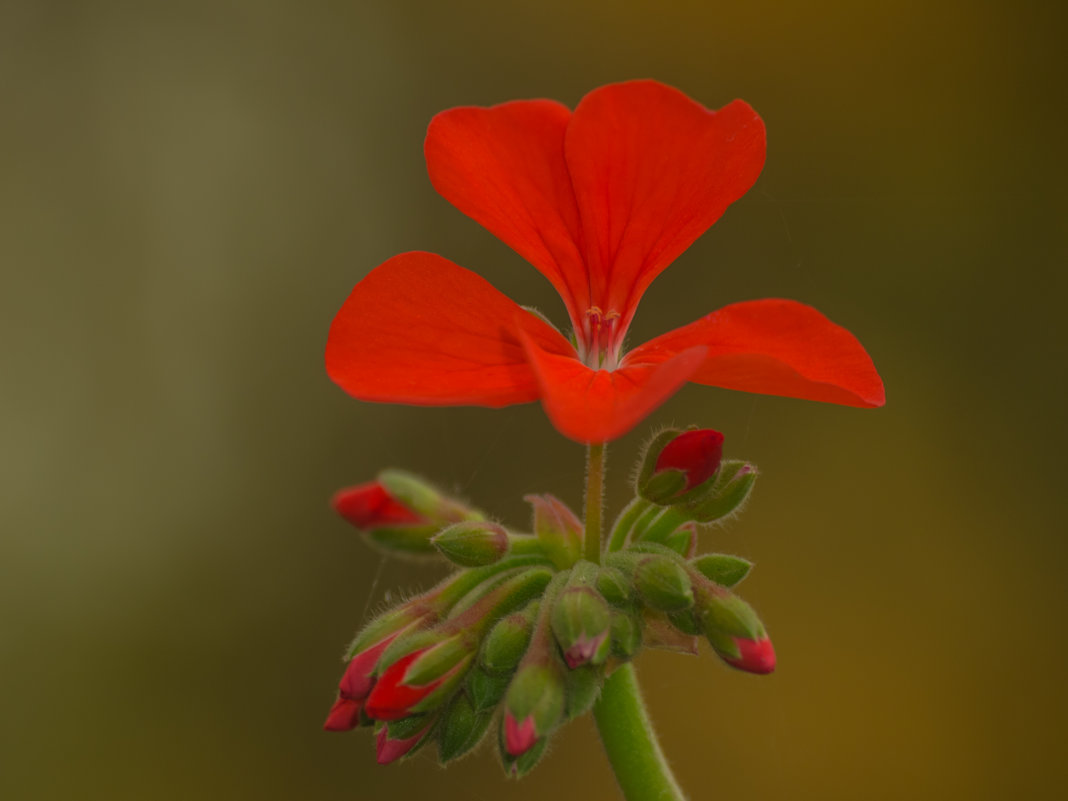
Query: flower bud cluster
[(521, 638)]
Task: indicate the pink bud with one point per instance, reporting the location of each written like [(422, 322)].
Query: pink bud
[(583, 649), (369, 506), (388, 750), (755, 656), (696, 453), (344, 715), (519, 737)]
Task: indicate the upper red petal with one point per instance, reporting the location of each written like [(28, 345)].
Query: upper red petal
[(422, 330), (652, 170), (600, 405), (775, 347), (504, 167)]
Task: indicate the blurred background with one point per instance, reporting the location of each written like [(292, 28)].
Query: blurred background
[(188, 191)]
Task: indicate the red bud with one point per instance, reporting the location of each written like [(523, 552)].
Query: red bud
[(754, 656), (359, 675), (369, 506), (696, 453), (344, 715), (391, 698), (519, 737), (388, 750)]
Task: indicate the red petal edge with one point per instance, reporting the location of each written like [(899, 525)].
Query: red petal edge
[(774, 347)]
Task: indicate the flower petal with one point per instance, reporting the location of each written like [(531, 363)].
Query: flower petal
[(504, 167), (774, 347), (422, 330), (652, 170), (600, 405)]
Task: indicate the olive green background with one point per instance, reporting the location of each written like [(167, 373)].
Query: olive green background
[(188, 191)]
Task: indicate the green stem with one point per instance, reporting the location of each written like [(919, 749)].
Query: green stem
[(594, 502), (630, 742)]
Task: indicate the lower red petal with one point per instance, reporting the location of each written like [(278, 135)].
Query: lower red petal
[(774, 347), (422, 330), (600, 405)]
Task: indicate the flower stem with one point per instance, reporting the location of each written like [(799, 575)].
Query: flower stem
[(630, 742), (594, 502)]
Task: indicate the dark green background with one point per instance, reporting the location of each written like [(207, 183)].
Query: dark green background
[(189, 190)]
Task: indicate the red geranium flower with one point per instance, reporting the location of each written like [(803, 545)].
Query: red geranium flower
[(600, 200)]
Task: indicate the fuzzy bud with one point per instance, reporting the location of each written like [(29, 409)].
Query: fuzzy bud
[(726, 495), (721, 568), (663, 583), (462, 728), (677, 462), (533, 707), (384, 520), (735, 632), (400, 738), (472, 543), (580, 621), (557, 528), (507, 641)]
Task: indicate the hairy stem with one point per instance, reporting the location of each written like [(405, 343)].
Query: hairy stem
[(594, 502), (627, 733)]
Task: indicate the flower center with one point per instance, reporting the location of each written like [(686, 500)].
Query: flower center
[(600, 339)]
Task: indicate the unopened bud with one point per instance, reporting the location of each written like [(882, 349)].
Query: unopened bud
[(558, 529), (663, 583), (735, 632), (533, 707), (508, 639), (420, 680), (613, 587), (462, 728), (726, 495), (472, 543), (721, 568), (580, 622), (385, 520), (677, 462), (400, 738)]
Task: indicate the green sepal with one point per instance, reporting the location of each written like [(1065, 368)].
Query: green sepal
[(445, 689), (650, 454), (683, 540), (437, 661), (724, 569), (518, 767), (461, 729), (726, 613), (583, 688), (557, 528), (725, 494), (663, 583), (403, 728), (486, 689), (537, 691), (425, 499), (685, 622), (626, 635)]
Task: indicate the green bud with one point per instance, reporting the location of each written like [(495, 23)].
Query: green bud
[(663, 583), (723, 613), (486, 689), (721, 568), (462, 728), (472, 543), (507, 641), (533, 706), (580, 622)]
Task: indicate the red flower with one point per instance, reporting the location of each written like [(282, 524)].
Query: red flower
[(600, 200)]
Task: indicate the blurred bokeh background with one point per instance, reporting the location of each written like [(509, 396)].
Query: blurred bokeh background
[(189, 190)]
